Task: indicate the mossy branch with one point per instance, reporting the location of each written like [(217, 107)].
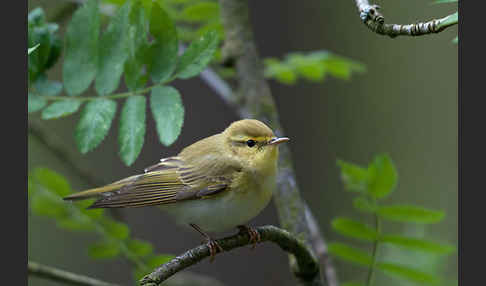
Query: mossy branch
[(308, 266)]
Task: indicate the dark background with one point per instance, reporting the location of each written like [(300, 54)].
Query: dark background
[(404, 105)]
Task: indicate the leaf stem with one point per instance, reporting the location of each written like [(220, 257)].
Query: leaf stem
[(374, 251)]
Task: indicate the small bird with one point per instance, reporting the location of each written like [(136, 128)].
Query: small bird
[(215, 184)]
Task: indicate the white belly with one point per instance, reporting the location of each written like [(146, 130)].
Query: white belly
[(224, 212)]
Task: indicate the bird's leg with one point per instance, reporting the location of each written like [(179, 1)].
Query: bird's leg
[(211, 243), (254, 235)]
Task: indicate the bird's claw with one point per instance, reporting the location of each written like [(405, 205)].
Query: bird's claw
[(254, 235), (214, 248)]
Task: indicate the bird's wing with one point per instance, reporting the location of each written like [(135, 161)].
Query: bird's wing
[(170, 181)]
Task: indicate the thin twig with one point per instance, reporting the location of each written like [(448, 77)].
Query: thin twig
[(56, 274), (307, 264), (374, 251), (375, 21)]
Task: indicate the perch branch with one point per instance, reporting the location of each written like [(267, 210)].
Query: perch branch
[(59, 275), (307, 264), (375, 21)]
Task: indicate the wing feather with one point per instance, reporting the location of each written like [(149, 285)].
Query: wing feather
[(169, 181)]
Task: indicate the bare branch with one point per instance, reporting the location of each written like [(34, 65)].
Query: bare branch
[(375, 21), (308, 266), (56, 274)]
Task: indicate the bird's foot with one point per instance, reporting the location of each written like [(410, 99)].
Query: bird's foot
[(214, 248), (254, 235), (212, 244)]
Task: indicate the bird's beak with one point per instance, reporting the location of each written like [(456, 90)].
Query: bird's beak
[(277, 140)]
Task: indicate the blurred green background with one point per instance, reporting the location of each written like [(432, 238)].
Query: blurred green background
[(404, 105)]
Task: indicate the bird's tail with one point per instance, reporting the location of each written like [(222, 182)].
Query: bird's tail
[(100, 191)]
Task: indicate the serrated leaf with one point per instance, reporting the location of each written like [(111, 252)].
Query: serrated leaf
[(81, 48), (94, 124), (114, 51), (365, 205), (417, 244), (410, 213), (350, 253), (116, 229), (355, 229), (61, 108), (383, 177), (408, 273), (132, 128), (164, 51), (137, 48), (35, 103), (197, 56), (30, 50), (52, 181), (104, 250), (140, 248), (168, 112), (355, 178)]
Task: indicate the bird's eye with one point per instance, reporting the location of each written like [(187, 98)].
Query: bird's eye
[(250, 143)]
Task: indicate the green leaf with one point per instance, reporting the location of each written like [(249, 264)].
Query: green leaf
[(35, 103), (201, 12), (410, 213), (81, 49), (355, 229), (43, 205), (197, 56), (140, 248), (168, 112), (132, 128), (364, 205), (116, 229), (342, 68), (52, 181), (30, 50), (279, 71), (444, 1), (383, 177), (408, 273), (158, 260), (113, 51), (164, 51), (61, 108), (94, 124), (76, 224), (355, 178), (104, 250), (350, 254), (43, 86), (352, 284), (417, 244), (137, 48)]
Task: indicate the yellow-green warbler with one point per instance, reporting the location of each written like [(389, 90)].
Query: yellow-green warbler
[(215, 184)]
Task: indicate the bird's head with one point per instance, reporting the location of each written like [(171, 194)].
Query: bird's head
[(253, 141)]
